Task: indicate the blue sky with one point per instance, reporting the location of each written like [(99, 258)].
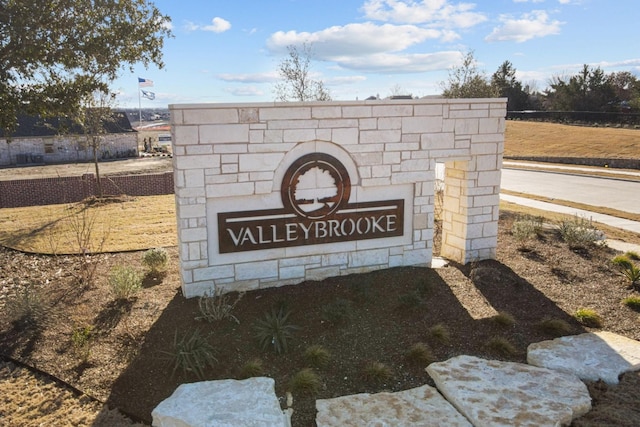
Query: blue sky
[(229, 50)]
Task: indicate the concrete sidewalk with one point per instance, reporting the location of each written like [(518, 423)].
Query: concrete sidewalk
[(621, 223)]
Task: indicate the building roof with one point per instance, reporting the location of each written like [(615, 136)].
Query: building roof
[(51, 126)]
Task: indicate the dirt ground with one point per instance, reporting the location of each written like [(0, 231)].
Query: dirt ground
[(358, 319)]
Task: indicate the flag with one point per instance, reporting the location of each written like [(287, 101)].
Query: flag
[(145, 82), (148, 95)]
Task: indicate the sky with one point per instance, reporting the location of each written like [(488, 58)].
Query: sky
[(228, 51)]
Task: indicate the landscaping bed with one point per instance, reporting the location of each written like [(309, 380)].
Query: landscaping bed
[(370, 325)]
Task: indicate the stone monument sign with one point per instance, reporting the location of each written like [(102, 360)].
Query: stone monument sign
[(272, 194)]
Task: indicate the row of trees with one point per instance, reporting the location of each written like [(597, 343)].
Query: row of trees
[(589, 90)]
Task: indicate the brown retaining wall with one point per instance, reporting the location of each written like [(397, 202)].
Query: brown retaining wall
[(51, 191)]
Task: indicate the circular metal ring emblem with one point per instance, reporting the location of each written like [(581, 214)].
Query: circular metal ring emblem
[(315, 186)]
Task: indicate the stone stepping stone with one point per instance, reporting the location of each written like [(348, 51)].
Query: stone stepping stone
[(421, 406), (492, 393), (233, 403), (591, 356)]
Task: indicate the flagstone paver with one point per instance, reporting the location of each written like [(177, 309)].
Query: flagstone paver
[(421, 406), (592, 356), (492, 393)]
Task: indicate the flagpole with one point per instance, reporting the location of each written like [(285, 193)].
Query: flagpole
[(139, 107)]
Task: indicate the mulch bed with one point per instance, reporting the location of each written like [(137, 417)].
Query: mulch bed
[(359, 319)]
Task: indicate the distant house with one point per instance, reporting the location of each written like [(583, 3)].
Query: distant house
[(53, 140)]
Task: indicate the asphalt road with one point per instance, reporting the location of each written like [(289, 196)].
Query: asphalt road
[(595, 191)]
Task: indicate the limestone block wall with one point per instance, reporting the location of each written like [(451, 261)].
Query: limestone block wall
[(234, 158)]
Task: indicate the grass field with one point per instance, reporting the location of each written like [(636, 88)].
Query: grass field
[(556, 140), (146, 222)]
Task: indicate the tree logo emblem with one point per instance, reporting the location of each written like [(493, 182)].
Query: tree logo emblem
[(316, 186)]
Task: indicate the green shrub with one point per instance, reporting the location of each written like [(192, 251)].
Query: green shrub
[(155, 259), (555, 327), (440, 332), (305, 381), (632, 302), (589, 318), (337, 311), (525, 230), (26, 307), (216, 306), (252, 368), (274, 330), (420, 354), (504, 319), (501, 346), (317, 356), (579, 233), (191, 353), (81, 339), (125, 281), (376, 372), (628, 269)]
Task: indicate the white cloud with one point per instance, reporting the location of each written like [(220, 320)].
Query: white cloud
[(354, 39), (218, 25), (438, 13), (529, 26), (245, 91), (249, 78), (401, 63), (343, 80)]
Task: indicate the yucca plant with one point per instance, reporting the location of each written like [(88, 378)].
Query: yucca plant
[(274, 330), (628, 270), (191, 353)]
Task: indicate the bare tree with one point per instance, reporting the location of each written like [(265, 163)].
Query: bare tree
[(466, 81), (297, 83), (94, 119)]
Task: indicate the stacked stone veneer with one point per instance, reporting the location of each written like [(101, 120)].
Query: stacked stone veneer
[(230, 157)]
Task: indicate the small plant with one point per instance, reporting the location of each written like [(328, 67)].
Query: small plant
[(440, 332), (317, 356), (191, 353), (628, 269), (81, 339), (338, 311), (501, 346), (589, 317), (275, 330), (305, 381), (579, 233), (253, 368), (555, 327), (410, 300), (125, 281), (27, 307), (525, 230), (155, 259), (216, 306), (420, 354), (632, 302), (504, 319), (376, 372), (633, 255)]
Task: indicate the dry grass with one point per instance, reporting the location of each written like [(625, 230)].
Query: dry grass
[(556, 140), (132, 224)]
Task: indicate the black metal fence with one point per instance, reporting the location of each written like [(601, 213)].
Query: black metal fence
[(593, 117)]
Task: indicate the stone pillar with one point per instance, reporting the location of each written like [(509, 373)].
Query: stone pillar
[(471, 209)]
